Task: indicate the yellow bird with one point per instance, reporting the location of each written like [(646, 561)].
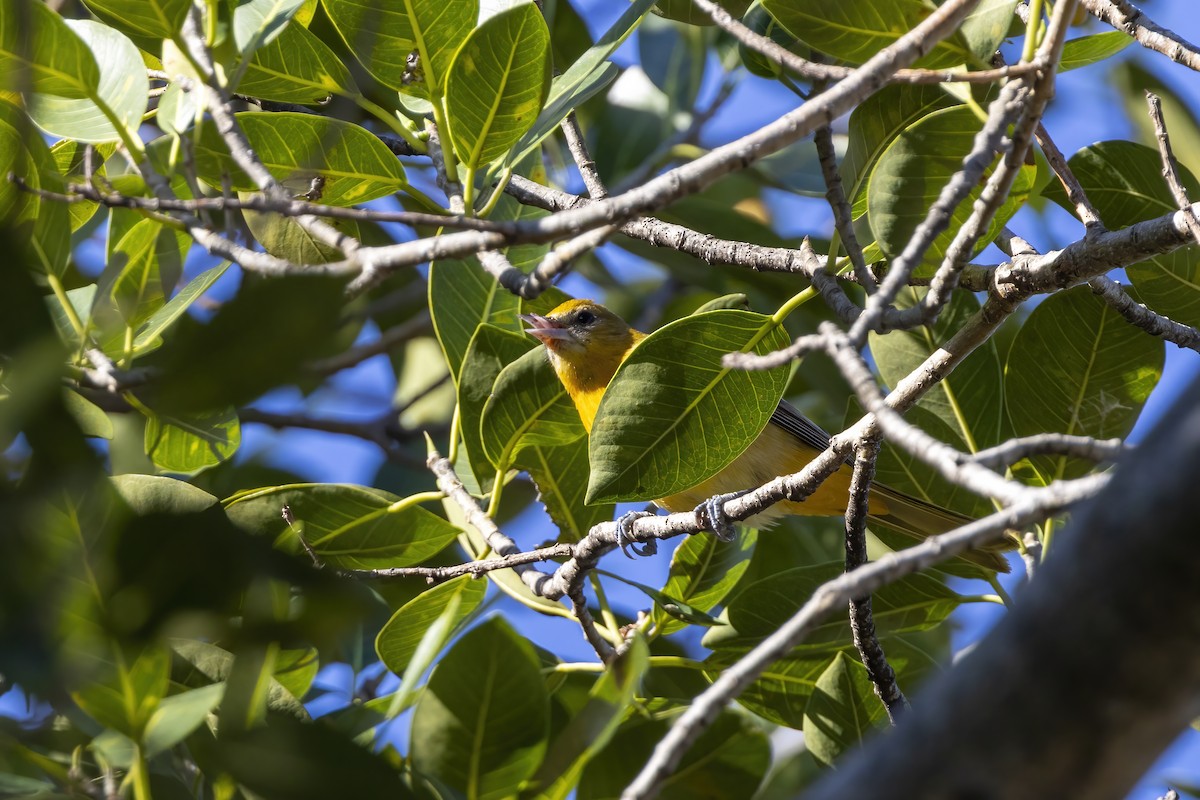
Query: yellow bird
[(586, 343)]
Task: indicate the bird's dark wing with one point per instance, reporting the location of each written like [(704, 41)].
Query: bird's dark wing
[(788, 417)]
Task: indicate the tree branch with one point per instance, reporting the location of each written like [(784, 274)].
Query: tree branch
[(1032, 711)]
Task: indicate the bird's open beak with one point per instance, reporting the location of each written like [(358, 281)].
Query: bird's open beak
[(544, 328)]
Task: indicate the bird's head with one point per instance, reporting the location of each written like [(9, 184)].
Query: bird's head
[(581, 329), (585, 341)]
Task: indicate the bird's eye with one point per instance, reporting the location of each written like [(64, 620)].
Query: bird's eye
[(585, 317)]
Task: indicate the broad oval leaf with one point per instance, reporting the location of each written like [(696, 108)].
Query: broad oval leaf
[(1087, 50), (729, 759), (159, 19), (296, 67), (875, 124), (258, 22), (911, 173), (284, 237), (855, 30), (592, 727), (296, 148), (843, 709), (45, 224), (351, 527), (461, 297), (528, 407), (151, 494), (490, 351), (149, 334), (189, 443), (589, 73), (439, 28), (561, 476), (398, 639), (1077, 367), (704, 570), (914, 603), (38, 47), (970, 400), (379, 35), (782, 693), (1124, 181), (674, 416), (497, 84), (178, 715), (114, 105), (481, 724)]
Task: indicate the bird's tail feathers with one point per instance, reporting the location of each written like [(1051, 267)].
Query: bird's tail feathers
[(916, 518)]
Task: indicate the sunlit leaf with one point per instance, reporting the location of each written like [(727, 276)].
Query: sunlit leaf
[(673, 415), (480, 726), (497, 84), (347, 526)]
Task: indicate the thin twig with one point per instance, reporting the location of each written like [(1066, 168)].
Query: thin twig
[(583, 159), (1125, 16), (1050, 444), (1170, 170), (831, 597), (862, 622), (814, 71)]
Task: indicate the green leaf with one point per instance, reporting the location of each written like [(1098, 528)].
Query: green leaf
[(398, 639), (91, 418), (143, 263), (675, 608), (39, 49), (128, 695), (289, 321), (875, 124), (1124, 181), (296, 148), (590, 73), (283, 237), (350, 527), (592, 727), (728, 760), (187, 444), (911, 173), (379, 35), (177, 716), (914, 603), (216, 663), (674, 416), (296, 67), (782, 693), (481, 725), (155, 494), (497, 84), (561, 475), (113, 105), (158, 322), (704, 570), (159, 19), (297, 669), (461, 297), (842, 711), (45, 224), (986, 27), (528, 406), (259, 22), (970, 401), (490, 351), (1077, 367), (1087, 50), (439, 28), (855, 30)]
